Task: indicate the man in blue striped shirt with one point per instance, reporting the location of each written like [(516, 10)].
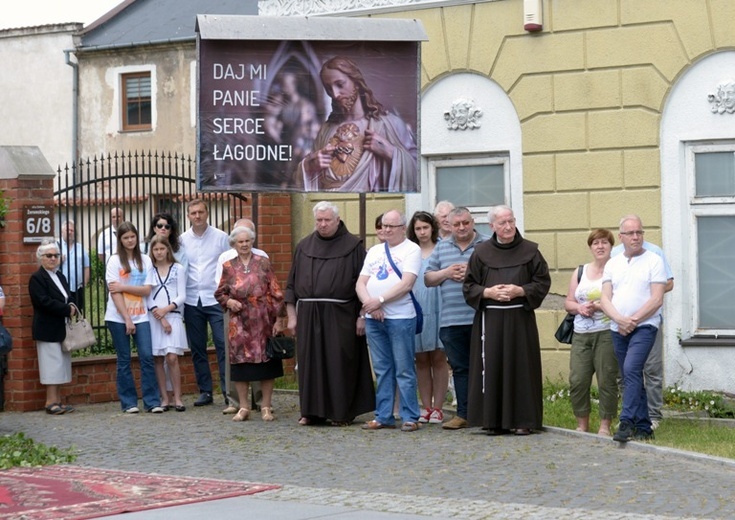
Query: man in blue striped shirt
[(446, 269)]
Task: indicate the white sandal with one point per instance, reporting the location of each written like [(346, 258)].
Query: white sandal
[(241, 415)]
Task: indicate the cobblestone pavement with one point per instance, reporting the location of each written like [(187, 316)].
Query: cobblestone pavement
[(432, 472)]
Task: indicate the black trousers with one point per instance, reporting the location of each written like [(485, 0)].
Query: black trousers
[(78, 297)]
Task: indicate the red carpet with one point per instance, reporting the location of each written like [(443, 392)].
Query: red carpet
[(73, 492)]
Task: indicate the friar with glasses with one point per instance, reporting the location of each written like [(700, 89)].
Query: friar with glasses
[(633, 286), (507, 279)]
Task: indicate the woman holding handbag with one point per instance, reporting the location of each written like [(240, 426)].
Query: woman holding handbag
[(52, 306), (592, 348)]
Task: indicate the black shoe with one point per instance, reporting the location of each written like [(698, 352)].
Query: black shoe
[(625, 432), (641, 435), (205, 398)]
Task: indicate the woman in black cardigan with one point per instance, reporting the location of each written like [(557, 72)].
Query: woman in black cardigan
[(50, 292)]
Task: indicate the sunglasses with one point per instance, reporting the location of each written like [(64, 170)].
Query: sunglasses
[(52, 255), (163, 226)]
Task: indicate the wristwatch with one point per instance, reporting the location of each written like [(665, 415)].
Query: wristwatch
[(381, 300)]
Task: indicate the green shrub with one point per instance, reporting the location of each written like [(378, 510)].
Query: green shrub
[(19, 450)]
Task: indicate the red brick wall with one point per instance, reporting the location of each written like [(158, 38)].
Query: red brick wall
[(93, 379)]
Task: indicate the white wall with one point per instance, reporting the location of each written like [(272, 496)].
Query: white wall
[(499, 132), (36, 90), (687, 118)]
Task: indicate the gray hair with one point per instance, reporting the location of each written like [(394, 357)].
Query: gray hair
[(326, 206), (47, 245), (461, 210), (493, 213), (443, 204), (400, 215), (626, 218), (239, 230)]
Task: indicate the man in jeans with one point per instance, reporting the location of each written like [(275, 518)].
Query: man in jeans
[(632, 295), (203, 245), (653, 371), (390, 322), (446, 268)]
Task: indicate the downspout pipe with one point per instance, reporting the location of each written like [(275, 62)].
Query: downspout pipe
[(75, 113)]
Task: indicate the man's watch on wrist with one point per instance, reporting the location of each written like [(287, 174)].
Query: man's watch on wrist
[(381, 300)]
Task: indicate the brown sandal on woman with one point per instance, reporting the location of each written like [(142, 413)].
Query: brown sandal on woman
[(267, 413), (241, 415)]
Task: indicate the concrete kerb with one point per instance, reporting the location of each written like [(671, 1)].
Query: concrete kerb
[(644, 446)]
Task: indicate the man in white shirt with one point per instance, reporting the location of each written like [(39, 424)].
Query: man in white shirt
[(107, 239), (390, 322), (632, 295), (74, 262), (204, 244)]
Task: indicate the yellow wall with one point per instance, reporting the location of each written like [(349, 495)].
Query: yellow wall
[(589, 91)]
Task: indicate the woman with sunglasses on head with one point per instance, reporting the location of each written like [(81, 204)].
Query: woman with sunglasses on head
[(130, 278), (432, 370), (165, 225), (52, 306)]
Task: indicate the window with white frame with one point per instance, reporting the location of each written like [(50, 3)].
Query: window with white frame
[(474, 182), (711, 180)]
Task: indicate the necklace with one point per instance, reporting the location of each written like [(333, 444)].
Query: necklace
[(247, 265)]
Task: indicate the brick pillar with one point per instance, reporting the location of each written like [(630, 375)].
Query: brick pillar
[(25, 178)]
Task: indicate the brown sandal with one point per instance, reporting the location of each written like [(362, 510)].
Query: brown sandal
[(375, 425), (267, 413)]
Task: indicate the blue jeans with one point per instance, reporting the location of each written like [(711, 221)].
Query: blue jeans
[(456, 341), (195, 320), (125, 382), (632, 352), (392, 351)]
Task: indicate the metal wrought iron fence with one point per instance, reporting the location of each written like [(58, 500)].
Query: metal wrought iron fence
[(141, 184)]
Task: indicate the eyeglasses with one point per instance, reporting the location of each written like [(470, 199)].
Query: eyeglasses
[(163, 226), (391, 226), (52, 255), (632, 233), (465, 223)]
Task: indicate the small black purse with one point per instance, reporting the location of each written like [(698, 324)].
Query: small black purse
[(565, 332), (280, 347)]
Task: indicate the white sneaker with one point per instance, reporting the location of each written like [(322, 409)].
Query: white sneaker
[(654, 424), (156, 409), (132, 409), (436, 417)]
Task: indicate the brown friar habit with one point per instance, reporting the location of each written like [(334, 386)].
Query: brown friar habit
[(335, 381), (505, 390)]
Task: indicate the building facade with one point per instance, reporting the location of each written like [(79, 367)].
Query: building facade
[(614, 107)]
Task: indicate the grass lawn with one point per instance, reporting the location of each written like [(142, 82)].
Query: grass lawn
[(711, 437)]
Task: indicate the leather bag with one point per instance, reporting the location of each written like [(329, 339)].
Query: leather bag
[(280, 347), (565, 332), (79, 333)]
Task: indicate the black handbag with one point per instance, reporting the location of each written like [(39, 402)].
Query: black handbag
[(280, 347), (6, 340), (565, 332)]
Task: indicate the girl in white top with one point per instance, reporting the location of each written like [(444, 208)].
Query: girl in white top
[(592, 348), (129, 277), (166, 304)]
